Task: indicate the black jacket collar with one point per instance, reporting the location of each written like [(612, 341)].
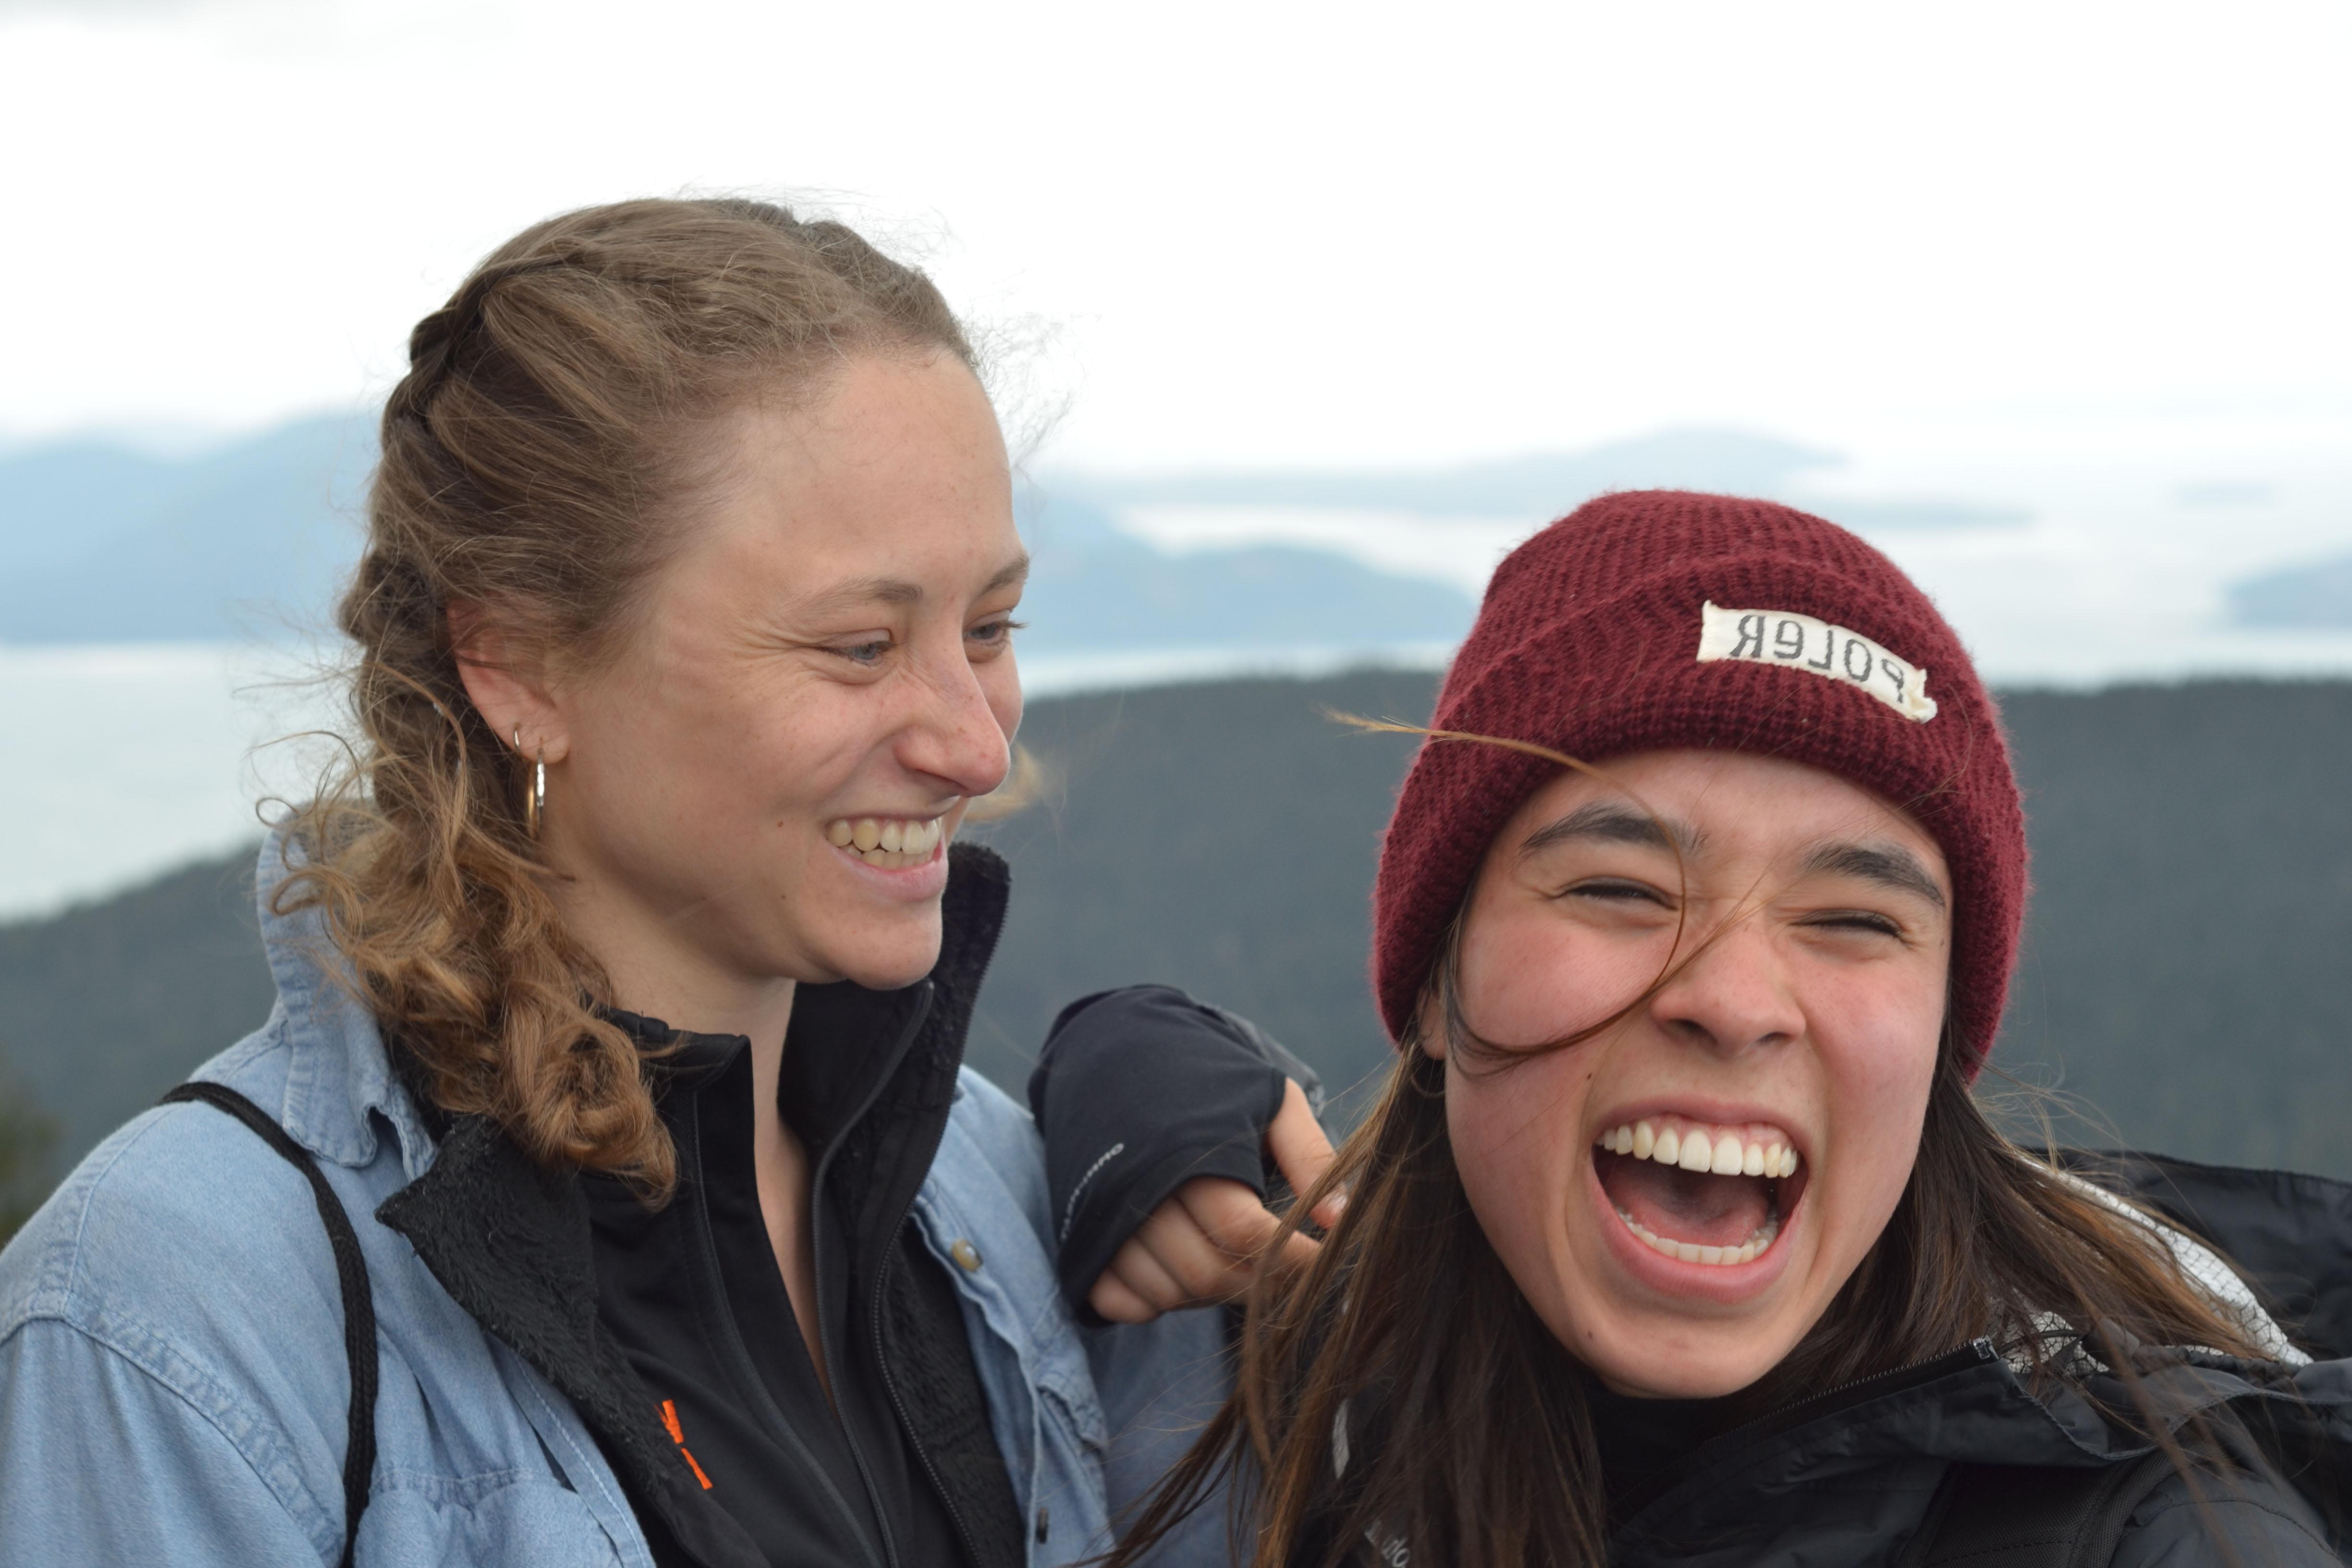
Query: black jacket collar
[(511, 1242), (1858, 1464), (827, 1089)]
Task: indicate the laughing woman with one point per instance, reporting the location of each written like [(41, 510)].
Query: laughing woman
[(622, 987), (1678, 1237)]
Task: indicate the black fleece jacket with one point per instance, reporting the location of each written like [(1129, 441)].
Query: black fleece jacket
[(669, 1329)]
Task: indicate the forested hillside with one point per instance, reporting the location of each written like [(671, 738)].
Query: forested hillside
[(2186, 949), (2183, 971)]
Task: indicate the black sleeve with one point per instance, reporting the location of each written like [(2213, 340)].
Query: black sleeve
[(1138, 1091)]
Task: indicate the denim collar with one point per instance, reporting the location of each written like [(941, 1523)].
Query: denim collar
[(338, 1077)]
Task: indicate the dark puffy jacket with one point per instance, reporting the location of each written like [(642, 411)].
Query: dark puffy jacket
[(1848, 1477)]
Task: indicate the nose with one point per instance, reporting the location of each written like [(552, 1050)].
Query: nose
[(955, 734), (1734, 992)]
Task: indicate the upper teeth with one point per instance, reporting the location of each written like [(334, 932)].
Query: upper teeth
[(886, 841), (1725, 1151)]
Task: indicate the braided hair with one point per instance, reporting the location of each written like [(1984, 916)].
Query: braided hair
[(537, 459)]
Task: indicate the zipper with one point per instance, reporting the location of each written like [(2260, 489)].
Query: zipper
[(787, 1433), (882, 1363), (831, 1349), (1980, 1350), (987, 950)]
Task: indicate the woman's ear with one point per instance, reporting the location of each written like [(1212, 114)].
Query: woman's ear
[(1429, 1027), (506, 683)]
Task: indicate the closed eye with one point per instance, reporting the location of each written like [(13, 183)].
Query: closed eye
[(1857, 919), (1611, 890)]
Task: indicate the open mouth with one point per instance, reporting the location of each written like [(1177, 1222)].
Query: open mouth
[(1701, 1193), (888, 842)]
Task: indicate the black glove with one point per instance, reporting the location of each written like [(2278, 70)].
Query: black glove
[(1138, 1091)]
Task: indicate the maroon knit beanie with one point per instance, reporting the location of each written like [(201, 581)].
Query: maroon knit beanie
[(1659, 619)]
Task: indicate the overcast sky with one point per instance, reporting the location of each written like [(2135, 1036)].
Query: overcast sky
[(1246, 233)]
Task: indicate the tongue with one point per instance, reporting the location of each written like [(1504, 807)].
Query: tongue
[(1686, 1205)]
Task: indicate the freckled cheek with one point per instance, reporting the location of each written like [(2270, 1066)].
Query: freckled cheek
[(729, 731), (770, 765), (756, 801)]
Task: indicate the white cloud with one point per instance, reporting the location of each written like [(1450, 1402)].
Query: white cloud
[(1268, 234)]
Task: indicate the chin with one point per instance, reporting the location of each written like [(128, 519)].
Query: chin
[(1702, 1380), (887, 962), (1665, 1360)]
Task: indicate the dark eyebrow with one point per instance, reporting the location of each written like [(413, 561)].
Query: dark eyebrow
[(1612, 822), (898, 591), (1888, 865)]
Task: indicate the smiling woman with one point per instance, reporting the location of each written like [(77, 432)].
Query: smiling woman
[(755, 786), (1677, 1237), (622, 977)]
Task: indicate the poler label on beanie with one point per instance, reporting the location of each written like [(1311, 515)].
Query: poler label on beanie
[(1583, 646), (1802, 642)]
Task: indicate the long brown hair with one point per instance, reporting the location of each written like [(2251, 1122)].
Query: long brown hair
[(539, 460), (1481, 1453)]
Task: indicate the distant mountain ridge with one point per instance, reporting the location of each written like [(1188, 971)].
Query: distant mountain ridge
[(1535, 486), (1538, 486), (1093, 587), (100, 542), (2313, 597)]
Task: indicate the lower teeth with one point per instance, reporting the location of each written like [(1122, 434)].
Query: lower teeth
[(888, 860), (1691, 1252)]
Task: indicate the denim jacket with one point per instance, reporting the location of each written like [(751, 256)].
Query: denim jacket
[(173, 1377)]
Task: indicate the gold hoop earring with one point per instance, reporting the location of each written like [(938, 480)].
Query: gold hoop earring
[(534, 801)]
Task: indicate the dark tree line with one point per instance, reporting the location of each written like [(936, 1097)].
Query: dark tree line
[(2182, 976), (28, 1136)]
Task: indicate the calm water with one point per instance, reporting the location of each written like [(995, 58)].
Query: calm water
[(123, 760)]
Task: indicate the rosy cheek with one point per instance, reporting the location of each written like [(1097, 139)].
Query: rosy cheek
[(1880, 1050), (1514, 1141), (1527, 981), (1880, 1064)]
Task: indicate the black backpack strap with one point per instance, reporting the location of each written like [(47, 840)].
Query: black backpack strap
[(2034, 1516), (350, 1274)]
